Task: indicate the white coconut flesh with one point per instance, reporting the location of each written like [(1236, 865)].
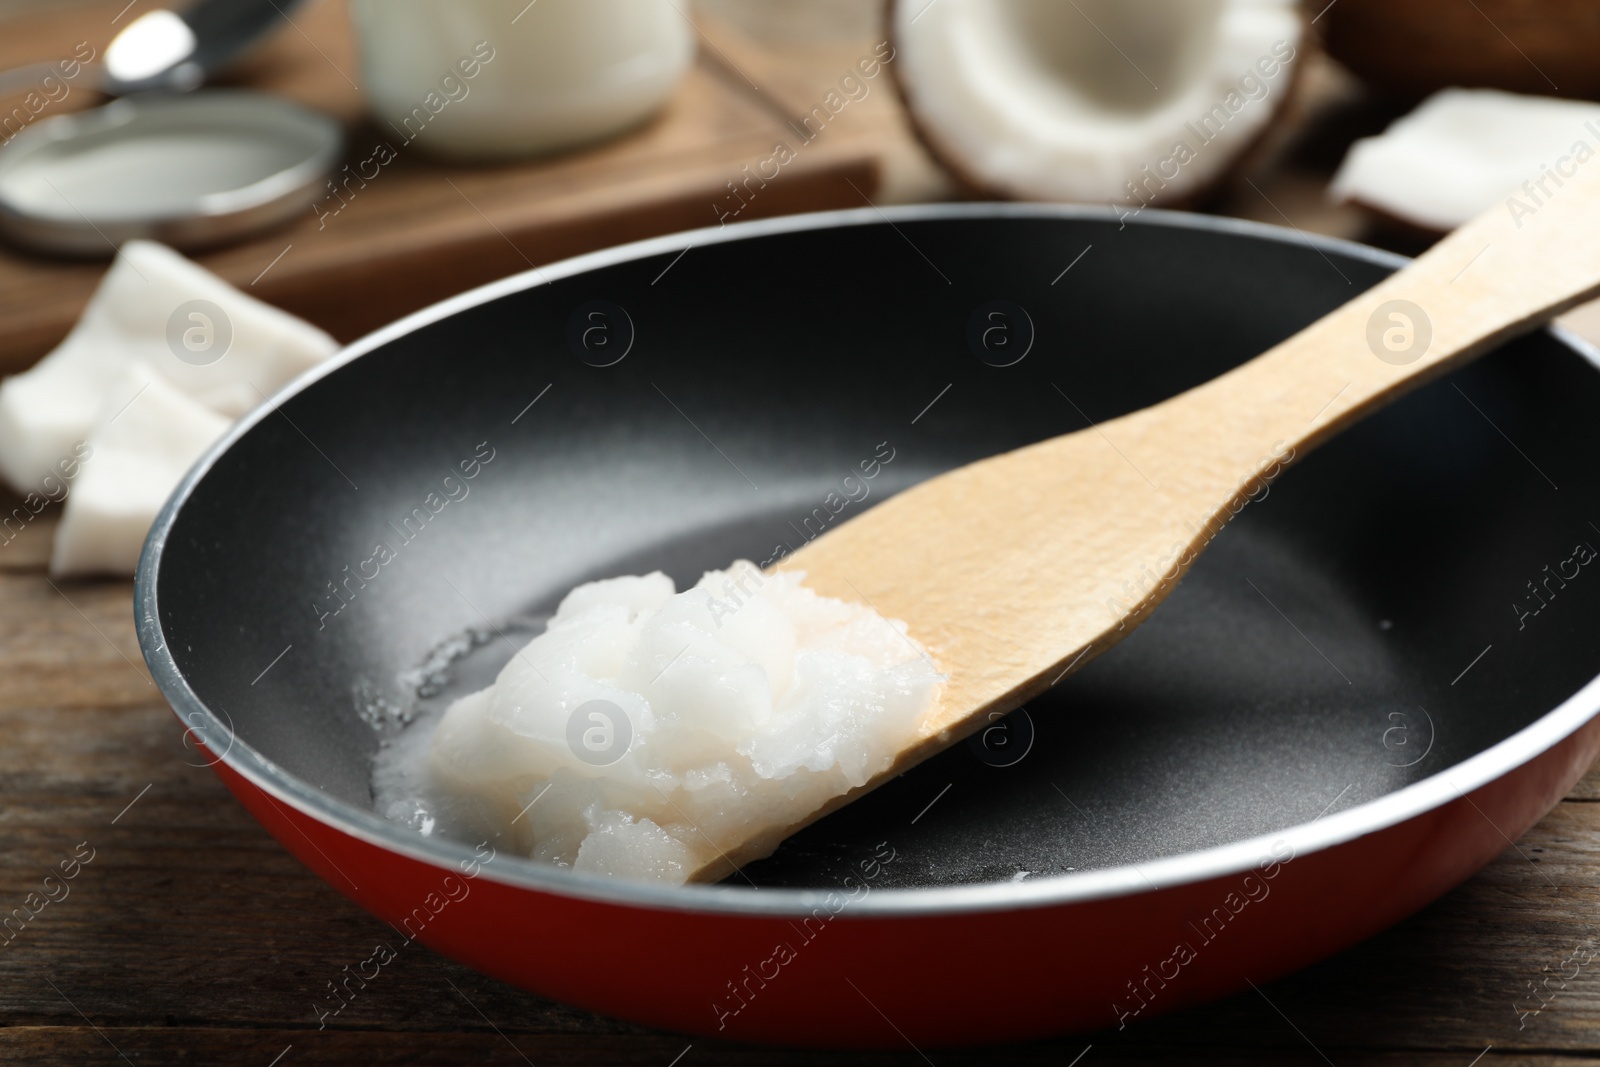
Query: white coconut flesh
[(48, 409), (1132, 101), (1462, 151), (196, 352), (148, 434)]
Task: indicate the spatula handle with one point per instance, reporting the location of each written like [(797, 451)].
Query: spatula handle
[(1508, 271)]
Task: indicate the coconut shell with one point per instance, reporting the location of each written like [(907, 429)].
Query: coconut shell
[(1414, 47), (973, 187)]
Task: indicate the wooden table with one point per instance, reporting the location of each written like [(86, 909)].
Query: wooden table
[(191, 937)]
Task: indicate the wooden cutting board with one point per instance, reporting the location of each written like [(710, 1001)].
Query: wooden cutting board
[(426, 229)]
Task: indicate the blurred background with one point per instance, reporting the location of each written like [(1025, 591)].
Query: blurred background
[(432, 226)]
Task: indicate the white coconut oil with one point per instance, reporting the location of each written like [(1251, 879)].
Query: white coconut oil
[(650, 734)]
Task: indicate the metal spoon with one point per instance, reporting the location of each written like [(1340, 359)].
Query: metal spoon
[(80, 183), (169, 50)]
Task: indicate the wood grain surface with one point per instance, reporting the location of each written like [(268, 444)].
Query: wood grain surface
[(191, 937)]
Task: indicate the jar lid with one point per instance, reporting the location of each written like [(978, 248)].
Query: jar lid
[(189, 170)]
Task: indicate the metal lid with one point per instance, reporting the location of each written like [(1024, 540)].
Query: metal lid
[(189, 170)]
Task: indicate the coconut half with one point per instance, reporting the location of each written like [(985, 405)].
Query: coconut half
[(1465, 150), (1132, 101)]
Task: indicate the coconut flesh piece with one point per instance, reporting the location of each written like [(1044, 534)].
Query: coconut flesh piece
[(137, 315), (1131, 101), (666, 737), (1462, 151), (148, 434)]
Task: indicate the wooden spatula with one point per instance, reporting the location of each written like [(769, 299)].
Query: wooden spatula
[(1019, 569)]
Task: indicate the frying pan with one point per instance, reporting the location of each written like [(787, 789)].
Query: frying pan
[(1368, 685)]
